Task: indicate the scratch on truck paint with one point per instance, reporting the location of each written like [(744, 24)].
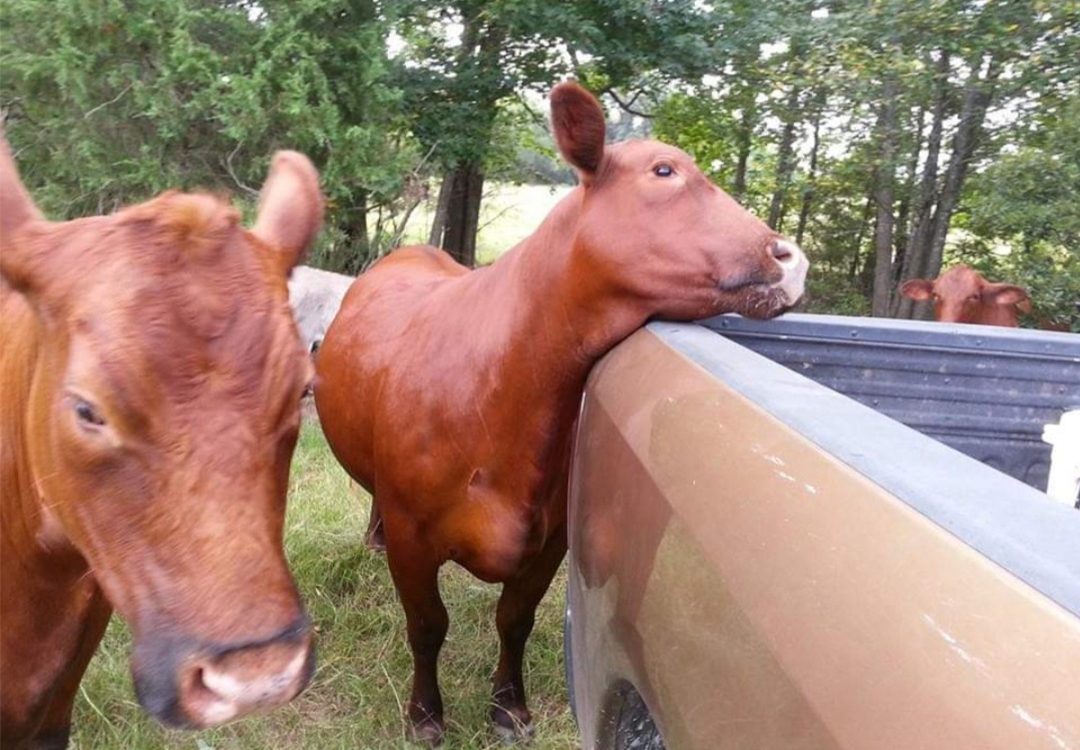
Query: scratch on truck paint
[(1055, 735), (955, 644)]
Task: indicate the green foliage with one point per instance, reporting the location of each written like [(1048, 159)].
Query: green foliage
[(833, 294), (821, 69), (1031, 193), (1024, 218), (111, 101)]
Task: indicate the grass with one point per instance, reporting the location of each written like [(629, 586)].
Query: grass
[(356, 697), (508, 214)]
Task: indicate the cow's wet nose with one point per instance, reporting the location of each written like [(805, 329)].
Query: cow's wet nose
[(794, 264), (787, 254), (245, 681), (206, 687)]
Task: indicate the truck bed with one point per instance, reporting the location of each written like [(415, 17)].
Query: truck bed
[(823, 533), (983, 390)]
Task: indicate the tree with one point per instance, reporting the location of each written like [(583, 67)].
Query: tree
[(110, 102), (993, 54), (465, 59)]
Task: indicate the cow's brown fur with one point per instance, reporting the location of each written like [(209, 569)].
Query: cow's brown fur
[(151, 377), (962, 295), (451, 394)]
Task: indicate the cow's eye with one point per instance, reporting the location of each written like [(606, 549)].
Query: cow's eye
[(309, 390), (973, 298), (87, 414), (663, 170)]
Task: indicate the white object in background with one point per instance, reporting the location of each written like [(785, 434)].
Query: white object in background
[(1064, 481), (315, 297)]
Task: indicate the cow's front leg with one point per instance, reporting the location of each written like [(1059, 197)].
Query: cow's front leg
[(514, 619)]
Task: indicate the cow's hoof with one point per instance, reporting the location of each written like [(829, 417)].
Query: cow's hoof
[(427, 732), (511, 725), (56, 739), (376, 540)]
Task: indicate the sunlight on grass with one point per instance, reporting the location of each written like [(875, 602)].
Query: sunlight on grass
[(355, 700), (508, 214)]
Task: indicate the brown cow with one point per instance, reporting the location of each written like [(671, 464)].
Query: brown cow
[(962, 295), (151, 377), (451, 394)]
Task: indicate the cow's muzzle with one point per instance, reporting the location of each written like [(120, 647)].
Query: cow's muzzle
[(193, 685)]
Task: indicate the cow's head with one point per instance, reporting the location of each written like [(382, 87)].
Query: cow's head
[(962, 295), (162, 417), (654, 225)]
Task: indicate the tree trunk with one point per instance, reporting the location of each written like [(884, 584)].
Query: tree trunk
[(438, 222), (853, 270), (865, 279), (457, 220), (903, 209), (745, 142), (978, 94), (811, 180), (785, 163), (883, 197), (914, 261), (462, 216), (357, 243)]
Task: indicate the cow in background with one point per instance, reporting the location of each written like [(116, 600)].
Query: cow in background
[(962, 295), (315, 297)]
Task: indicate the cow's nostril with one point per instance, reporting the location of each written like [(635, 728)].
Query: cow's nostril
[(783, 251), (247, 680)]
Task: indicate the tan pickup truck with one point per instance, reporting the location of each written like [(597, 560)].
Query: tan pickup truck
[(766, 550)]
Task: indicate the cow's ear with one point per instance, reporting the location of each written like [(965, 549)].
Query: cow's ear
[(20, 262), (578, 122), (920, 289), (1008, 294), (290, 208)]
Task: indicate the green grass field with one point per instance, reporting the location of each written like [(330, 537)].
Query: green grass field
[(355, 699), (508, 214)]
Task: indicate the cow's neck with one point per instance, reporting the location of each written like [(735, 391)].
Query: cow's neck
[(555, 320), (565, 314)]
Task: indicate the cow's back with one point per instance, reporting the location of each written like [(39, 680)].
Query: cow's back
[(382, 315)]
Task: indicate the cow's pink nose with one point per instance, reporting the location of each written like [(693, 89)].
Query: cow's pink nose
[(245, 681), (794, 264), (786, 253)]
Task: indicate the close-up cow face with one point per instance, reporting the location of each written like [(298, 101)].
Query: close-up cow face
[(162, 409)]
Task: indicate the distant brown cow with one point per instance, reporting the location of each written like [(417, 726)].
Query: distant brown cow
[(451, 394), (151, 377), (962, 295)]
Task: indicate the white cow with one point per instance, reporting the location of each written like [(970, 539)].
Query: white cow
[(315, 297)]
